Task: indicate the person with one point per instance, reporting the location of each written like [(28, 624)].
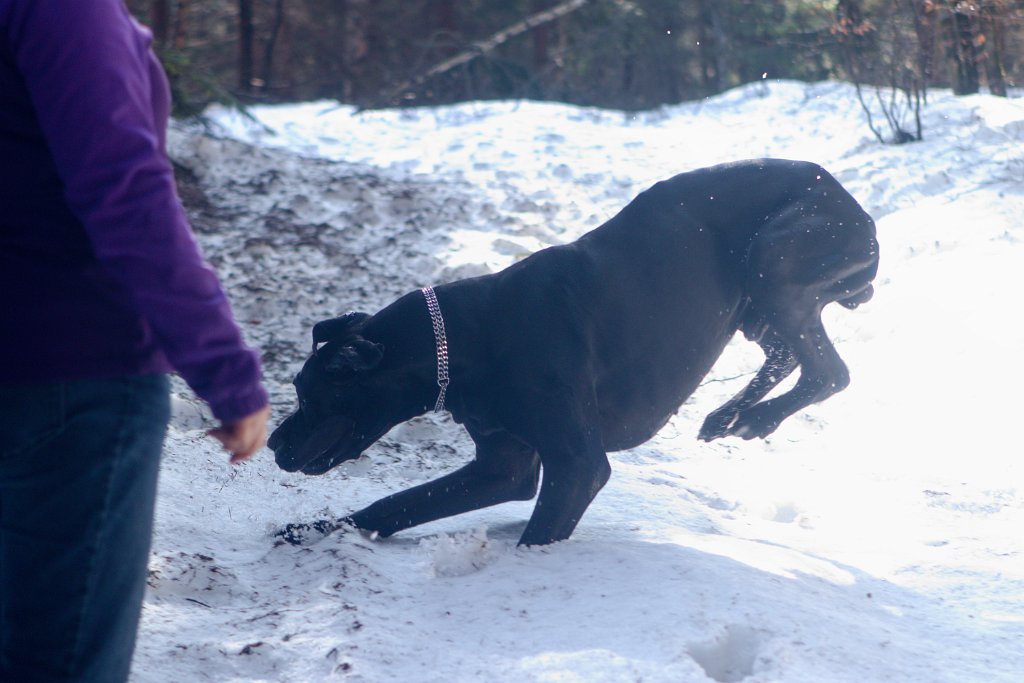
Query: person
[(103, 291)]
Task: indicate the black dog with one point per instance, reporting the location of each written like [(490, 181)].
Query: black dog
[(592, 346)]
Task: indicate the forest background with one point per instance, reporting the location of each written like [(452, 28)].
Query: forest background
[(623, 54)]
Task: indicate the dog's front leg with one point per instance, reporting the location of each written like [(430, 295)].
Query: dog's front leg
[(822, 373), (575, 468), (505, 469), (570, 483), (779, 363)]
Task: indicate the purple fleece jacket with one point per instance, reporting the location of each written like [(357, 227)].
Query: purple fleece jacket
[(100, 275)]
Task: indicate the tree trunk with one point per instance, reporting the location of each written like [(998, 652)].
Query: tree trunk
[(851, 30), (439, 21), (963, 28), (994, 26), (268, 53), (541, 37), (713, 46), (924, 15), (160, 21), (180, 23), (443, 17), (355, 45), (245, 45)]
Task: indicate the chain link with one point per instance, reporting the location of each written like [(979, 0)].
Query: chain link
[(441, 340)]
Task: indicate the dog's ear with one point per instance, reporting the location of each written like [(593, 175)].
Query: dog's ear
[(359, 355), (333, 328)]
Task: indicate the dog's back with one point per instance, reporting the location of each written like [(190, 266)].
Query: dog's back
[(739, 200), (655, 294)]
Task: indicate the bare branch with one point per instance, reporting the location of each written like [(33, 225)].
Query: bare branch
[(484, 46)]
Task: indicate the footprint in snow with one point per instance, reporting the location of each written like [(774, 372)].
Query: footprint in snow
[(729, 656), (194, 577), (458, 554)]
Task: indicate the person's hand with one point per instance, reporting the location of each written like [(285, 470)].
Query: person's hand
[(243, 438)]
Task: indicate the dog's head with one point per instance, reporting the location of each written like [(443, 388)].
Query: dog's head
[(348, 398)]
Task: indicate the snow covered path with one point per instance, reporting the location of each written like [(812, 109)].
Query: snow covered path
[(874, 538)]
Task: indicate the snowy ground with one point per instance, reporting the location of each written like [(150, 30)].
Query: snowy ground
[(875, 537)]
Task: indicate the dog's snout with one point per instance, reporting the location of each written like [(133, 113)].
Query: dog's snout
[(299, 445), (279, 437), (274, 442)]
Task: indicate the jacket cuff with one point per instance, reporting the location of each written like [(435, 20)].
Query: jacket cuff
[(237, 406)]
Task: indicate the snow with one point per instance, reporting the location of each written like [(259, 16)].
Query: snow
[(874, 537)]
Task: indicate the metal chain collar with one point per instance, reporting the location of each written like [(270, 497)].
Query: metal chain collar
[(441, 340)]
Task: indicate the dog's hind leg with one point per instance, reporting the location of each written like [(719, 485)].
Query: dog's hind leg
[(505, 469), (779, 362)]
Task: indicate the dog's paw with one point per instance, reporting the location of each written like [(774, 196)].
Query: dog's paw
[(718, 424), (363, 527), (754, 423), (308, 534)]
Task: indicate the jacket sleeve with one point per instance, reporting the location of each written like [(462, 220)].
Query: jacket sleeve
[(102, 100)]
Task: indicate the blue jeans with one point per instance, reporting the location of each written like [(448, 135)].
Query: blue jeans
[(78, 473)]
